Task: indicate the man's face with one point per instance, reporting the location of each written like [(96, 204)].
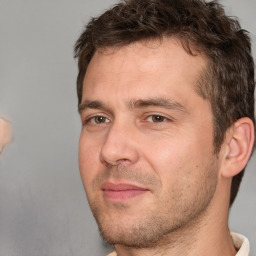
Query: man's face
[(146, 156)]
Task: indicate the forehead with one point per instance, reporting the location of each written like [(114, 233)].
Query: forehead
[(149, 66)]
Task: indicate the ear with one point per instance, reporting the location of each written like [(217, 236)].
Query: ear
[(237, 147)]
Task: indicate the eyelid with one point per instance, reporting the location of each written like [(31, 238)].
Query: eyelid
[(152, 116), (88, 118), (165, 116)]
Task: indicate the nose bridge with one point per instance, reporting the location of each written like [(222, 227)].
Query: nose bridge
[(119, 145)]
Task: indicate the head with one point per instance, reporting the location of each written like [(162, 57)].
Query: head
[(202, 28), (165, 92)]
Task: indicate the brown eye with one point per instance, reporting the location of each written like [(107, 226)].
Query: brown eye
[(156, 118), (99, 119)]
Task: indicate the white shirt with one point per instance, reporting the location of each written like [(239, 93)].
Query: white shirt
[(241, 243)]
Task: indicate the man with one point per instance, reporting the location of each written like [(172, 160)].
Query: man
[(165, 93)]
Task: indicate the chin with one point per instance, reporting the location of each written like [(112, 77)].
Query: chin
[(144, 232), (134, 237)]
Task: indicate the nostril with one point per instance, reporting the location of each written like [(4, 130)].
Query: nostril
[(110, 164), (123, 161)]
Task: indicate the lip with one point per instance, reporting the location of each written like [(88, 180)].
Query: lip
[(121, 191)]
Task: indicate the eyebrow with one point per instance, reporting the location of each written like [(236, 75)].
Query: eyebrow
[(158, 102), (135, 103), (93, 104)]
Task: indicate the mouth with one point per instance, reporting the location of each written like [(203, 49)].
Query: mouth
[(121, 191)]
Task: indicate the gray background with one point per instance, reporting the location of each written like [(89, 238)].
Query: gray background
[(43, 208)]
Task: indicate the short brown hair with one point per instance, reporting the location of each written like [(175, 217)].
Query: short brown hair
[(203, 28)]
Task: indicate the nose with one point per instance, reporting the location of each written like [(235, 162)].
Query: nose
[(120, 146)]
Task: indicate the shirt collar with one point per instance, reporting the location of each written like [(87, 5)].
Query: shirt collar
[(241, 243)]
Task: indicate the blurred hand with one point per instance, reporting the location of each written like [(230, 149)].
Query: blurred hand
[(5, 133)]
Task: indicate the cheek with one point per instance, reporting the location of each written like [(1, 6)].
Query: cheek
[(163, 161), (175, 160), (88, 158), (168, 156)]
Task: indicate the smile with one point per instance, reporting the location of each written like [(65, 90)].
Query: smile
[(121, 192)]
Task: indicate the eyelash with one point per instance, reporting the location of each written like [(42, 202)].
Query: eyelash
[(88, 120), (162, 118), (93, 121)]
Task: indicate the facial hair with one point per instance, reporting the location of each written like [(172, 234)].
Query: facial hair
[(167, 220)]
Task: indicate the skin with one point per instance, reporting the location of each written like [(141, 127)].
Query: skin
[(144, 125), (5, 133)]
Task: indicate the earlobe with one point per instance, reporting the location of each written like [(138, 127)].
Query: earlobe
[(239, 146)]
